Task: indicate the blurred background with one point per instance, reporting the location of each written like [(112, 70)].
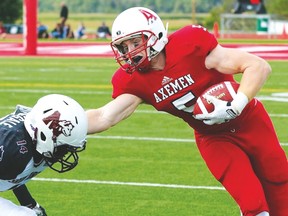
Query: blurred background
[(230, 18)]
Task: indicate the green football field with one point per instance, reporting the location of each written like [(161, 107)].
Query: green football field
[(147, 165)]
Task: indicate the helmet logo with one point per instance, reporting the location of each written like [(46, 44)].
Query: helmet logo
[(58, 126), (149, 16)]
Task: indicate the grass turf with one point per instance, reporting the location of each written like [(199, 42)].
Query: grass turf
[(24, 79)]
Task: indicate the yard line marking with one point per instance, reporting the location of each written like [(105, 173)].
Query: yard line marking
[(55, 91), (279, 115), (128, 183), (273, 98), (53, 85), (142, 138), (150, 139)]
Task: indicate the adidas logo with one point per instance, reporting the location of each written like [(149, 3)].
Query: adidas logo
[(165, 80)]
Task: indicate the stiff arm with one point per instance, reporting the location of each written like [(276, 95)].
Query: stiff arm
[(113, 112)]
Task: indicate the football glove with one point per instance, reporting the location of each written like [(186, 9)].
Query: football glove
[(39, 210), (223, 111)]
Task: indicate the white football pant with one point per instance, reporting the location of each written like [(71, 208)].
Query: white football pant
[(8, 208)]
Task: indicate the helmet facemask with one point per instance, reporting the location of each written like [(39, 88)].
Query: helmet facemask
[(138, 58), (64, 158)]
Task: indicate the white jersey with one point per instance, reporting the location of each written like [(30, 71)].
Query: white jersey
[(30, 171), (19, 160)]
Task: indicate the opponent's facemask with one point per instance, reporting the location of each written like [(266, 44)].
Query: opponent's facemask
[(138, 22), (64, 157), (58, 126)]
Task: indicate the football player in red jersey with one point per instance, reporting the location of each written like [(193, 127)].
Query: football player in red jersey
[(237, 140), (48, 135)]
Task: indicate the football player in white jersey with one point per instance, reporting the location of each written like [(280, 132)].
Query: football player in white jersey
[(31, 139)]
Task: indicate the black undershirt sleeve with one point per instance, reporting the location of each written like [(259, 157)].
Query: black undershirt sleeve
[(24, 197)]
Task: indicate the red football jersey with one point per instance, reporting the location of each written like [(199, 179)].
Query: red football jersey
[(176, 88)]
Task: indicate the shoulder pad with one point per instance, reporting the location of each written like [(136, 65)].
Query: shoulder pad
[(22, 109)]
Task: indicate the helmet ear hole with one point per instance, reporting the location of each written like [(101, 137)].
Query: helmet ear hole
[(160, 35), (43, 137)]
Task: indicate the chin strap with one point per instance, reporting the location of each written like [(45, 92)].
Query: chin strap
[(166, 39)]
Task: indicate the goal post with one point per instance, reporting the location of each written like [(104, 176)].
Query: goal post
[(245, 24), (30, 26)]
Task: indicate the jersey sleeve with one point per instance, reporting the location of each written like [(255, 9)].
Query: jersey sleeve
[(193, 39), (122, 83), (204, 39), (116, 83)]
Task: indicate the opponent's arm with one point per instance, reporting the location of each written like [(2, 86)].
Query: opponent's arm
[(25, 199), (113, 112)]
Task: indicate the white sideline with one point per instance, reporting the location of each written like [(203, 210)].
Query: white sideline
[(142, 138), (127, 183), (150, 139)]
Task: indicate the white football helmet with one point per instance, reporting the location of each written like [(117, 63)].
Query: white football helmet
[(58, 126), (138, 22)]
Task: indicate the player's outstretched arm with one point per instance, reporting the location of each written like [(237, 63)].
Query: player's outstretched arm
[(113, 112)]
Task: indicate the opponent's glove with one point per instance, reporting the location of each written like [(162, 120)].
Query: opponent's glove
[(223, 111), (39, 210)]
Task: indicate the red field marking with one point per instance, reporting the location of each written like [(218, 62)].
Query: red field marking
[(59, 49), (268, 52)]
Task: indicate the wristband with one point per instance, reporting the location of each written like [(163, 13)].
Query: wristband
[(239, 102)]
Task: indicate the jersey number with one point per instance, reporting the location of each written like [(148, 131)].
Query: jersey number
[(182, 103)]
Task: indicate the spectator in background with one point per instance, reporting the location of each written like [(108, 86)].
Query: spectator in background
[(57, 32), (81, 31), (63, 14), (42, 31), (103, 31), (2, 30), (69, 32)]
